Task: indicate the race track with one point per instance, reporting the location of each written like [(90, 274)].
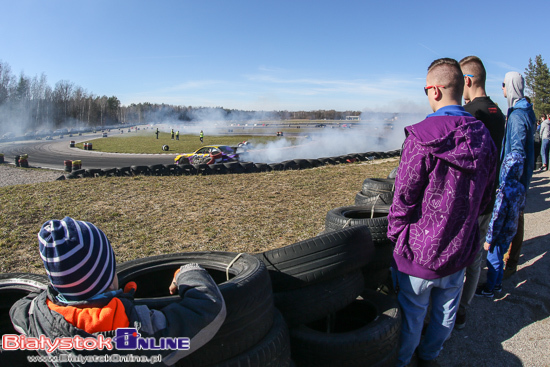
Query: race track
[(52, 153)]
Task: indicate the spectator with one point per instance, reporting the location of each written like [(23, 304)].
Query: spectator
[(443, 183), (545, 139), (510, 201), (201, 136), (485, 110), (518, 137), (83, 297)]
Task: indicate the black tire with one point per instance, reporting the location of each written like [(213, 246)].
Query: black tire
[(382, 198), (276, 166), (188, 169), (319, 258), (234, 167), (93, 172), (172, 169), (157, 169), (110, 172), (165, 148), (303, 163), (378, 185), (272, 351), (248, 297), (350, 216), (315, 163), (248, 167), (313, 302), (289, 165), (139, 170), (125, 171), (218, 168), (202, 169), (365, 333), (327, 161), (13, 287), (262, 167)]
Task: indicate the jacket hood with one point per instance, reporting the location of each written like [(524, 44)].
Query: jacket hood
[(514, 87), (456, 140)]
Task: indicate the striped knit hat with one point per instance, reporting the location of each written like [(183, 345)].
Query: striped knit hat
[(78, 258)]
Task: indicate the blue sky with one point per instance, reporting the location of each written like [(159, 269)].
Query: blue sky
[(268, 55)]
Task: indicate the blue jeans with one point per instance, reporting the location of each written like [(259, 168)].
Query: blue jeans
[(544, 151), (495, 266), (414, 297)]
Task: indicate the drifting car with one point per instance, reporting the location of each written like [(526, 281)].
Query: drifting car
[(208, 154)]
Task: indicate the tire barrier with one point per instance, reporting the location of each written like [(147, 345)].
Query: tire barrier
[(68, 166), (251, 316), (72, 144), (319, 258), (375, 217), (226, 167), (14, 286), (165, 148), (364, 333)]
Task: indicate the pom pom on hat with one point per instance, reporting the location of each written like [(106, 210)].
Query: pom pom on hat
[(78, 258)]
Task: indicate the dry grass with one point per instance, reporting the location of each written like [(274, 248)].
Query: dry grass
[(144, 216)]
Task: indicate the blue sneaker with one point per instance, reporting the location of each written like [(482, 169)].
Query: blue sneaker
[(497, 288), (481, 292)]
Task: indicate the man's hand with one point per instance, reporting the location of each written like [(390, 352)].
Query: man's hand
[(486, 246)]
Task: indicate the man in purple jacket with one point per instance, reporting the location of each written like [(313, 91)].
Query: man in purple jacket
[(443, 183)]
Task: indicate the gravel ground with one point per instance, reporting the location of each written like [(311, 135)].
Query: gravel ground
[(513, 329), (11, 175)]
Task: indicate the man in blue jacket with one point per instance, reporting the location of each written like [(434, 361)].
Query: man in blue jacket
[(519, 137)]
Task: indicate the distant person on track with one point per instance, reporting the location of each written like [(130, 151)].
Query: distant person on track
[(157, 132), (484, 109), (172, 134), (519, 137), (201, 136), (84, 299), (178, 135), (443, 183)]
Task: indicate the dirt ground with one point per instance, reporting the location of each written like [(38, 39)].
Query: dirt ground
[(513, 329)]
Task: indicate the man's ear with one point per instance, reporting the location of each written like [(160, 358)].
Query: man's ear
[(437, 95)]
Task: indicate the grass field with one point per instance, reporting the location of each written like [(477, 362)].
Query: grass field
[(145, 215), (148, 143)]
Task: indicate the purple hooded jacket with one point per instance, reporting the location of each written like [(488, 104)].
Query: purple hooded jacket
[(443, 183)]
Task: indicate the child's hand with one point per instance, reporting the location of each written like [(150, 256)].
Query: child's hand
[(174, 286), (486, 246)]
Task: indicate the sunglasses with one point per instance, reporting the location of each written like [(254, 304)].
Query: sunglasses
[(503, 85), (432, 86), (470, 75)]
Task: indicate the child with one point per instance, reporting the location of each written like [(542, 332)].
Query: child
[(510, 201), (83, 298)]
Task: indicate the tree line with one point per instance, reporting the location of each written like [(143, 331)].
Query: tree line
[(32, 102)]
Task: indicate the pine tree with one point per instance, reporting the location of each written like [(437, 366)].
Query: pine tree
[(537, 81)]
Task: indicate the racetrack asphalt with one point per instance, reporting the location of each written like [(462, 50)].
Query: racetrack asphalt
[(52, 153), (513, 329)]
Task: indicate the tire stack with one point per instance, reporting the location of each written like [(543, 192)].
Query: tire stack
[(14, 286), (254, 332), (319, 288), (371, 208)]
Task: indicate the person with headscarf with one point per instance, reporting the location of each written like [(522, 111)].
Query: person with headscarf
[(518, 137)]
